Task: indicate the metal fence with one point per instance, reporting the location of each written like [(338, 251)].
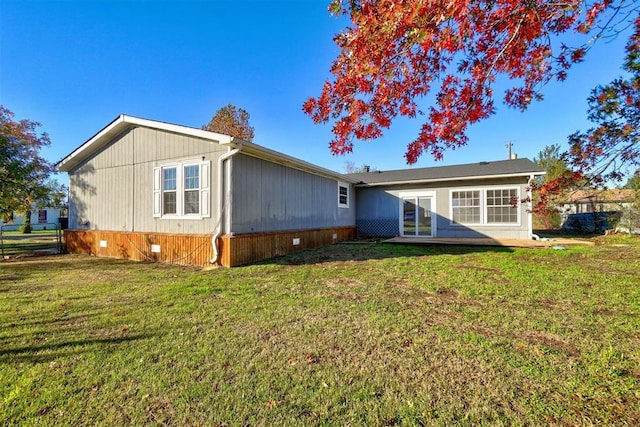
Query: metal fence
[(39, 242)]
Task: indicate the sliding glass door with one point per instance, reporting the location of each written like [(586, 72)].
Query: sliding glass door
[(416, 216)]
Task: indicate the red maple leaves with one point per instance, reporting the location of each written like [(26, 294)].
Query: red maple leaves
[(395, 53)]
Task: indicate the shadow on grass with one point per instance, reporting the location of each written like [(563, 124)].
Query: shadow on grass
[(61, 261), (13, 271), (46, 320), (53, 351), (364, 251)]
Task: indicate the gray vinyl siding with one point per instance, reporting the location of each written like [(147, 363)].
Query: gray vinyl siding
[(113, 189), (378, 210), (271, 197), (100, 198)]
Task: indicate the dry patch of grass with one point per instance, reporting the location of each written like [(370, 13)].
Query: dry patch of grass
[(349, 335)]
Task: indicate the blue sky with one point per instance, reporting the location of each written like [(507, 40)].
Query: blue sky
[(74, 66)]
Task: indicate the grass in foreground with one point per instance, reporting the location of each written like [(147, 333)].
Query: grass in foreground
[(368, 334)]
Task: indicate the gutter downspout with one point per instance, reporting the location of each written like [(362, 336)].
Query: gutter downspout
[(221, 187), (530, 209)]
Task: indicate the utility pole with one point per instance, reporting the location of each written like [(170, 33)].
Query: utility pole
[(511, 154)]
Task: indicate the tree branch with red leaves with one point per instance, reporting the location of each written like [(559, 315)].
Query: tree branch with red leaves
[(396, 53)]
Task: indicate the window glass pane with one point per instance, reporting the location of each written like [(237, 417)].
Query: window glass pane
[(343, 195), (424, 216), (409, 217), (169, 184), (191, 202), (502, 206), (466, 206), (169, 202), (169, 179), (192, 177)]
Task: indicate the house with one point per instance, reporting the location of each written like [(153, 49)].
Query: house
[(41, 219), (149, 190), (462, 201), (594, 211), (587, 201)]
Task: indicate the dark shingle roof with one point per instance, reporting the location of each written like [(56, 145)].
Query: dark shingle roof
[(516, 167)]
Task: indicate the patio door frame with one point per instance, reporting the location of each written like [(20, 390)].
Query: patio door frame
[(416, 195)]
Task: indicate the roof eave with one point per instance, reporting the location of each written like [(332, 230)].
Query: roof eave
[(122, 122), (118, 125), (264, 153), (451, 179)]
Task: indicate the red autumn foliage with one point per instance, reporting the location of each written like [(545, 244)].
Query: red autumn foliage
[(550, 190), (395, 53)]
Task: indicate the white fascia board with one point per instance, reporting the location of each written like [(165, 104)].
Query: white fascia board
[(122, 122), (264, 153), (72, 159), (183, 130), (457, 178)]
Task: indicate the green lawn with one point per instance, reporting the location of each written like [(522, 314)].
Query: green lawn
[(352, 334)]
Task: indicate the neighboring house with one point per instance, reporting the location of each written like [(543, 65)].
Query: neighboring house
[(587, 201), (41, 219), (594, 211), (149, 190), (463, 201)]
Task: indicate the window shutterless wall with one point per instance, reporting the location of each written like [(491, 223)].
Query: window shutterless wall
[(273, 197)]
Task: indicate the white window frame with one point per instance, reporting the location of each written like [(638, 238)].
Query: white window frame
[(517, 207), (484, 207), (163, 191), (344, 185), (417, 194), (478, 207), (204, 198)]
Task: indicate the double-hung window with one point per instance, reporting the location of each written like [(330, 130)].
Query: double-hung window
[(343, 195), (169, 191), (493, 206), (192, 189), (181, 190), (465, 206), (502, 206)]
